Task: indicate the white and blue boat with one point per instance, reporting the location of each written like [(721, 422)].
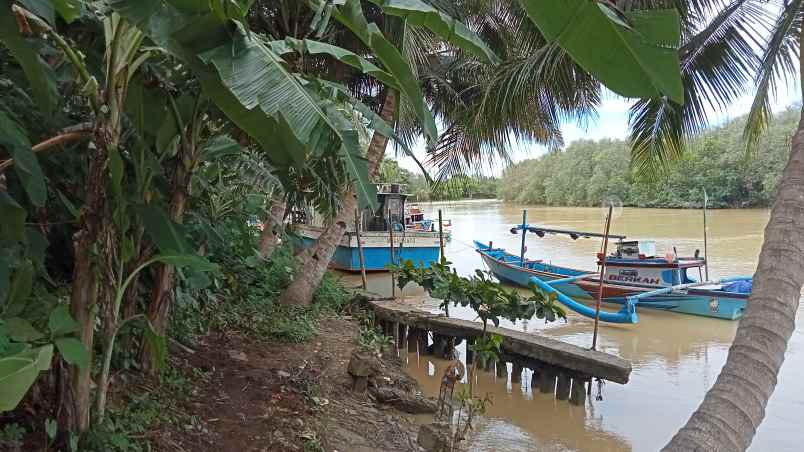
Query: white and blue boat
[(634, 277), (422, 247)]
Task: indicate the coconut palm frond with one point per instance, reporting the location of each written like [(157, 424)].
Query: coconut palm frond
[(779, 62), (716, 64)]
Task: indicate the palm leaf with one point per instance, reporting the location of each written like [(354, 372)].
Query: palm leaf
[(246, 79), (419, 13), (716, 64), (633, 53), (779, 61), (351, 16)]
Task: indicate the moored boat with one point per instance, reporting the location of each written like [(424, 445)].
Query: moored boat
[(422, 247), (634, 277)]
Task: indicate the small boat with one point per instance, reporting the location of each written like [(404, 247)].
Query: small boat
[(422, 247), (634, 277), (416, 221)]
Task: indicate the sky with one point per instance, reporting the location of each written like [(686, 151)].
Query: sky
[(612, 122)]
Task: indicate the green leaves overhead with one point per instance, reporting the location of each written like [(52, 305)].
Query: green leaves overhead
[(419, 13), (351, 16), (26, 51), (635, 54), (14, 140), (257, 78), (245, 78), (345, 56), (167, 234)]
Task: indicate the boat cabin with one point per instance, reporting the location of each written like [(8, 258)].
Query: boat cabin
[(390, 210), (636, 263)]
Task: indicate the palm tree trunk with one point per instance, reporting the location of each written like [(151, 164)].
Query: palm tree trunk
[(734, 407), (315, 261), (272, 228), (303, 287)]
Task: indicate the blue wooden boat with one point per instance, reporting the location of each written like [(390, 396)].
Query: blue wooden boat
[(422, 247), (634, 277)]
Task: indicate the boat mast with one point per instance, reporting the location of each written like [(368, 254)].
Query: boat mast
[(602, 273), (524, 231), (706, 256)]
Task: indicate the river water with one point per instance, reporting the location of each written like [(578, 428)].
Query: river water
[(675, 357)]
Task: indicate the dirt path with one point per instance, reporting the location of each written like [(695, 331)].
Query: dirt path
[(260, 396)]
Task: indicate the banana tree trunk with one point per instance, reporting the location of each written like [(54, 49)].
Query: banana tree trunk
[(314, 262), (272, 228), (162, 296), (74, 412), (729, 415)]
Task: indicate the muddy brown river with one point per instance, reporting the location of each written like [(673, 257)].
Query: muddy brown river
[(675, 357)]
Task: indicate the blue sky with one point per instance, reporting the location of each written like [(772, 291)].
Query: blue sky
[(612, 122)]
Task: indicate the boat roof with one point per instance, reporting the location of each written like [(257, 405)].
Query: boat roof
[(683, 262), (541, 231)]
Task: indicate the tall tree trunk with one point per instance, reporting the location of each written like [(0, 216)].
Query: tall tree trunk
[(302, 289), (734, 407), (74, 410), (316, 260), (272, 227), (162, 296)]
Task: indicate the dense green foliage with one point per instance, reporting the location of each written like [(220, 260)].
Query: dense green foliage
[(454, 188), (589, 171)]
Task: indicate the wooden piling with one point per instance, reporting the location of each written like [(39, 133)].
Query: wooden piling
[(534, 378), (578, 392), (395, 333), (423, 339), (413, 338), (502, 369), (470, 354), (563, 386), (403, 336), (516, 372), (358, 225), (547, 381), (439, 345)]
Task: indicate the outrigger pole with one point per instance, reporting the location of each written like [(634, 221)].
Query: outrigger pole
[(540, 231)]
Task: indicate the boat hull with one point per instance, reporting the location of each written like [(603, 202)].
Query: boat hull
[(707, 303), (420, 247), (515, 274)]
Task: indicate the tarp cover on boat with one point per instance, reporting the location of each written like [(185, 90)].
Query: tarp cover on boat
[(743, 286)]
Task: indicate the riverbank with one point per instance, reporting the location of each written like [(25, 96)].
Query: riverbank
[(237, 392)]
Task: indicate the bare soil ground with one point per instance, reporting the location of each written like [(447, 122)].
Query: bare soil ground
[(268, 396)]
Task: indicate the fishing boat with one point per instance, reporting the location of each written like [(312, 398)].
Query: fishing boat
[(376, 226), (633, 277), (415, 220)]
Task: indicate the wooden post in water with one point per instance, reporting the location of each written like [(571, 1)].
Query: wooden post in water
[(441, 252), (563, 386), (360, 249), (516, 372), (706, 255), (413, 339), (602, 273), (578, 392), (502, 369), (391, 238), (524, 230)]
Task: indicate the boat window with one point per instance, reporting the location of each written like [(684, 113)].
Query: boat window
[(687, 278)]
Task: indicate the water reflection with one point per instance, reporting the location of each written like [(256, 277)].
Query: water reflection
[(675, 358)]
